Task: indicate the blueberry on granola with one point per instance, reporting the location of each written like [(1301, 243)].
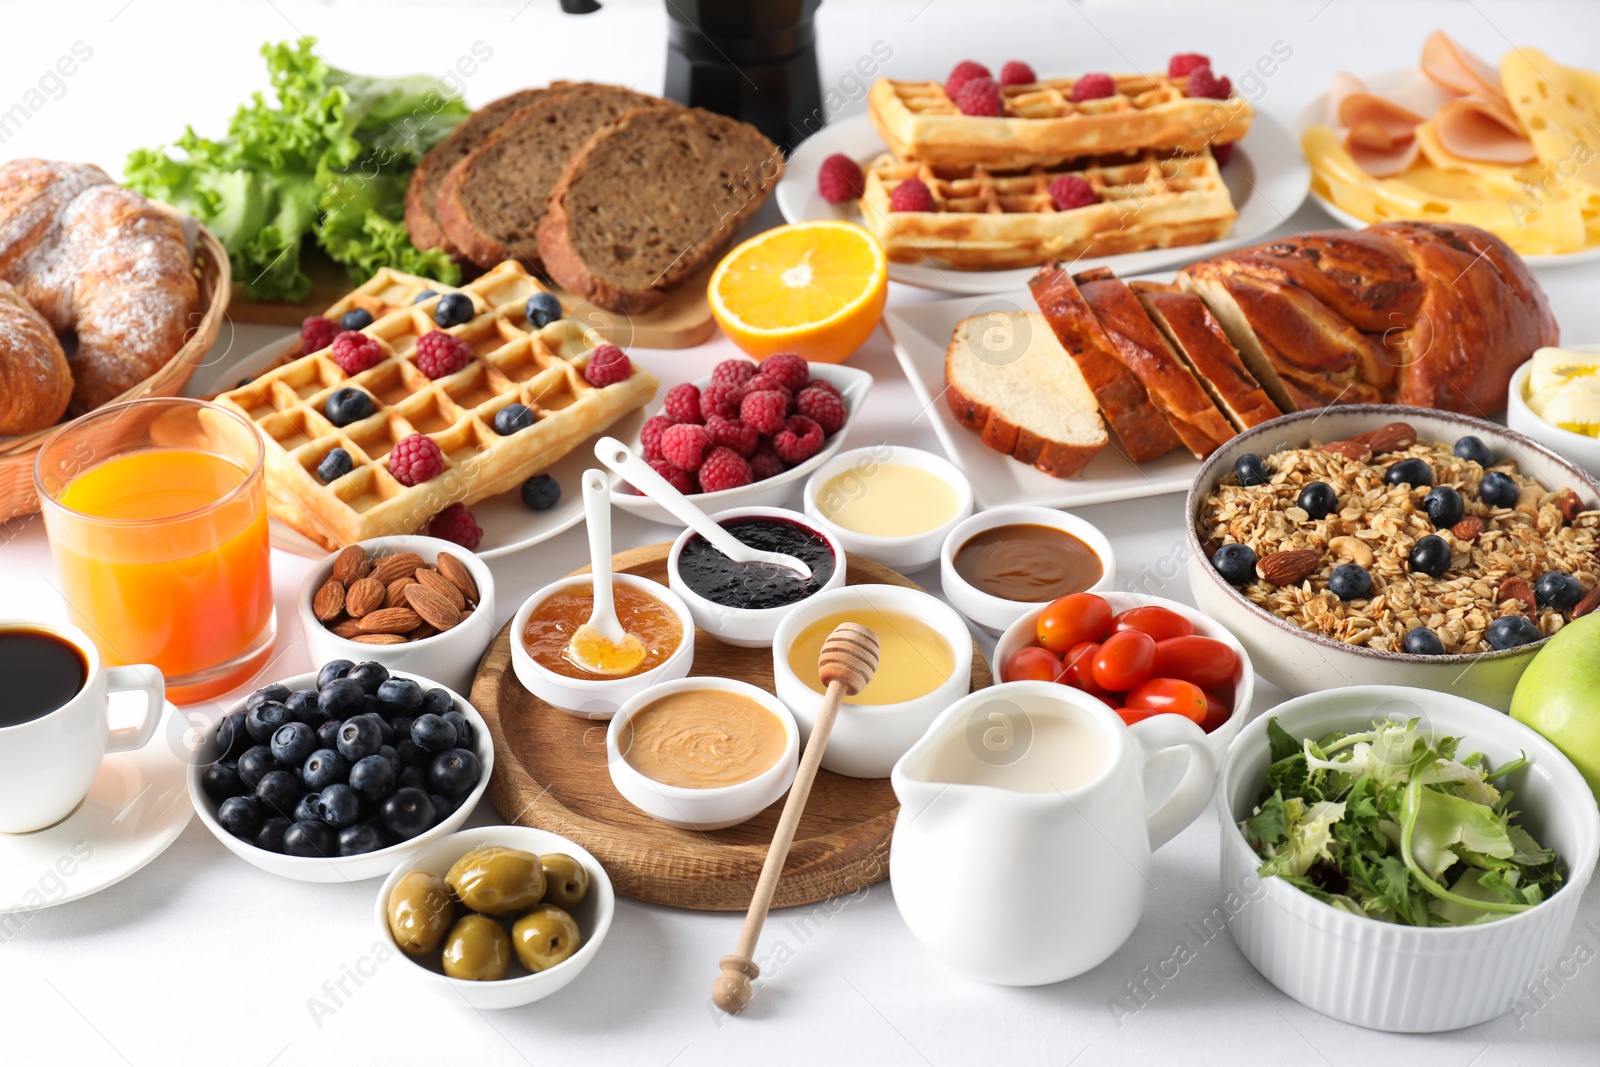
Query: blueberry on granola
[(1512, 631), (1557, 589), (1409, 472), (1251, 469), (1350, 581), (1236, 563), (1498, 490), (1444, 506), (1422, 641), (1431, 555), (1473, 450), (1317, 499)]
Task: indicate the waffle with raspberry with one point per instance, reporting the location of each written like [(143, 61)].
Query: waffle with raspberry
[(996, 219), (511, 363), (1040, 123)]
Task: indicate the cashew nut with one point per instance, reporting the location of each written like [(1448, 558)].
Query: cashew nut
[(1351, 548)]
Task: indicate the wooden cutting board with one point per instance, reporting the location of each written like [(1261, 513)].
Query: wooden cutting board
[(682, 321), (550, 773)]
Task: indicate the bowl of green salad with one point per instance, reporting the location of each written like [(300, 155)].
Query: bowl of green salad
[(1401, 859)]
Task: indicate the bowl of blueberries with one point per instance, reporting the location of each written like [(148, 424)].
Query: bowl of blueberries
[(1415, 584), (338, 776)]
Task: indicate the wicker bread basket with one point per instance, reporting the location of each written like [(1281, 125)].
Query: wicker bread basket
[(17, 496)]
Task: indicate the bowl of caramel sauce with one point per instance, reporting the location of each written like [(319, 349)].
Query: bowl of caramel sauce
[(1002, 563)]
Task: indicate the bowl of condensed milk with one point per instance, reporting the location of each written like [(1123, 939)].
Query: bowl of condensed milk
[(1002, 563), (702, 753), (893, 504)]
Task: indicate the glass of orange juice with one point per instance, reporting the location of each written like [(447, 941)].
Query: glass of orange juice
[(156, 511)]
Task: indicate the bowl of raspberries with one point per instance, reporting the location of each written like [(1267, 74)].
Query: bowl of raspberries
[(748, 435)]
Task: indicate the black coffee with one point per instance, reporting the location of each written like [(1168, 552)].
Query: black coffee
[(41, 671)]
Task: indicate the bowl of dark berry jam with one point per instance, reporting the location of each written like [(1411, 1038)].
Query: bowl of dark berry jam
[(743, 603)]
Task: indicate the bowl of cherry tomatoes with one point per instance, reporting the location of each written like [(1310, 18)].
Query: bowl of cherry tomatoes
[(1141, 655)]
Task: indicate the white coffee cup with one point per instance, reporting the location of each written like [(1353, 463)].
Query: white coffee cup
[(47, 764)]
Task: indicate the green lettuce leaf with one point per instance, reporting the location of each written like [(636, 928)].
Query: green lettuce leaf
[(326, 157)]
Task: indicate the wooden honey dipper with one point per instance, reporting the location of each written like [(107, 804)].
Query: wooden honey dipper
[(848, 661)]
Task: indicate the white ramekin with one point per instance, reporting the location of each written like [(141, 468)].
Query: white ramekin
[(598, 698), (1382, 975), (703, 809), (747, 627), (1022, 633), (867, 739), (335, 869), (593, 916), (1579, 448), (995, 613), (907, 553), (451, 657)]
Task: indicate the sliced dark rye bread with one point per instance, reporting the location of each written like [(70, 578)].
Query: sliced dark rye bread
[(492, 200), (423, 190), (651, 199), (1199, 339)]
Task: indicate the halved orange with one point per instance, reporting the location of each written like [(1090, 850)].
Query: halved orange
[(816, 289)]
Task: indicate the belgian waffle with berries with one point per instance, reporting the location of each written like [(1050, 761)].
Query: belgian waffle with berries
[(990, 218), (435, 372), (987, 122)]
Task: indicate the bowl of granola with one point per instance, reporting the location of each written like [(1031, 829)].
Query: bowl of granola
[(1381, 544)]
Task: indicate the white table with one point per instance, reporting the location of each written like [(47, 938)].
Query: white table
[(202, 959)]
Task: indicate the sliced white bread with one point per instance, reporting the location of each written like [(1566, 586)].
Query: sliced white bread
[(1009, 380)]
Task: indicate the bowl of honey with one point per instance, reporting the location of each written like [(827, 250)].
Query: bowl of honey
[(743, 603), (1003, 563), (542, 630), (890, 503), (924, 664), (703, 753)]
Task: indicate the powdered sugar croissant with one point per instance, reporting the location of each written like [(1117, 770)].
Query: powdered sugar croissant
[(109, 271)]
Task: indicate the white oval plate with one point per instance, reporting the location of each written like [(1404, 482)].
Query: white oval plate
[(1410, 88), (137, 806), (508, 526), (1268, 179)]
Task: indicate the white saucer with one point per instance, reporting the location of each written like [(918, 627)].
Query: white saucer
[(1268, 179), (138, 805)]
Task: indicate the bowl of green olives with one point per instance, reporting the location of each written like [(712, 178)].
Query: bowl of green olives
[(499, 916), (337, 776)]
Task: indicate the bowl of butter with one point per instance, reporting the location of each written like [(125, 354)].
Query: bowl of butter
[(1555, 399)]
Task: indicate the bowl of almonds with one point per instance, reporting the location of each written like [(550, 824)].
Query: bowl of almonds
[(416, 603)]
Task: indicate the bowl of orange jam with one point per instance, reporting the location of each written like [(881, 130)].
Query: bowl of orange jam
[(543, 628)]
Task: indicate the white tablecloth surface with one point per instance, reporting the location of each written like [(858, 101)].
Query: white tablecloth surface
[(200, 958)]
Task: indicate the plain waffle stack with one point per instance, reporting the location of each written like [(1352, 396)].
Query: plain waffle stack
[(542, 369), (1041, 124), (987, 218)]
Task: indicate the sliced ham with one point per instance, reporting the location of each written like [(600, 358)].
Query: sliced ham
[(1482, 131), (1446, 63), (1344, 85), (1384, 162), (1369, 110)]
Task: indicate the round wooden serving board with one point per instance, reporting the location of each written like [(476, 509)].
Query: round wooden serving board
[(550, 773)]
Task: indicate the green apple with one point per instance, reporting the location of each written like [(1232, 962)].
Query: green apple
[(1559, 695)]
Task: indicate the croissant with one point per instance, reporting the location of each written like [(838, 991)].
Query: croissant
[(107, 269), (35, 383)]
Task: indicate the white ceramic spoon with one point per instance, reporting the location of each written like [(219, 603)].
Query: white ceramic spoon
[(602, 645), (639, 474)]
